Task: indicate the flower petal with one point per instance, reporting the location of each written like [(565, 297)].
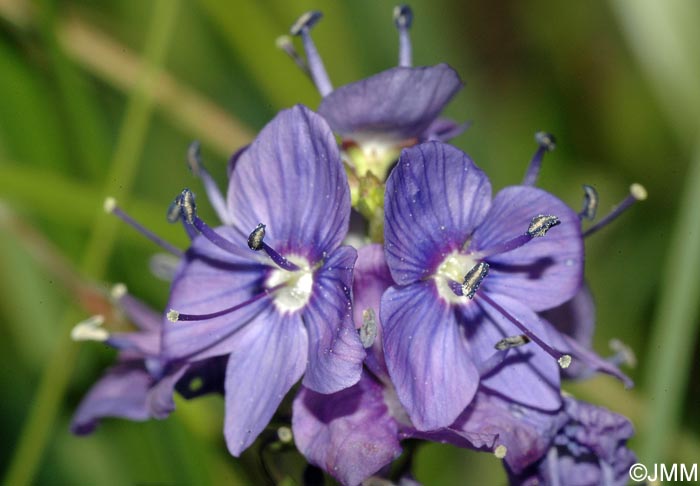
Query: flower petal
[(291, 179), (372, 278), (527, 375), (350, 434), (211, 280), (435, 197), (160, 396), (545, 272), (335, 351), (268, 358), (427, 356), (397, 104), (121, 392), (575, 317)]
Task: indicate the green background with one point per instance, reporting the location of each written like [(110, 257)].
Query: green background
[(102, 97)]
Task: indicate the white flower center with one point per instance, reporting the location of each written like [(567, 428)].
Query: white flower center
[(454, 267), (296, 286)]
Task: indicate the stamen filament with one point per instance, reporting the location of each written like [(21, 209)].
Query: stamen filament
[(194, 160), (112, 208), (175, 316), (211, 235), (403, 18), (563, 359), (318, 72), (546, 143), (502, 247), (637, 193), (284, 43)]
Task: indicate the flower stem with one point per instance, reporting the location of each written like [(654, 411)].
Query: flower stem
[(49, 395)]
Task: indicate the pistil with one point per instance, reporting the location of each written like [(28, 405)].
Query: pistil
[(302, 27), (403, 18), (637, 193)]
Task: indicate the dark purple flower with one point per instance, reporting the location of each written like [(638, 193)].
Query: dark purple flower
[(138, 387), (589, 449), (379, 115), (444, 235), (276, 301)]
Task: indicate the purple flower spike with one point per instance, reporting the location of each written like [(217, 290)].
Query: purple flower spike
[(471, 275), (589, 449), (272, 291)]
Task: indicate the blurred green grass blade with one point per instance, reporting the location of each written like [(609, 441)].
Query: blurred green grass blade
[(675, 328), (85, 128), (665, 40), (68, 202), (251, 32), (28, 121), (59, 366)]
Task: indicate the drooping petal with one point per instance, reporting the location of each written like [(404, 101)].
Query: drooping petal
[(443, 130), (269, 356), (435, 197), (427, 356), (291, 178), (211, 280), (350, 434), (491, 421), (397, 104), (528, 375), (335, 351), (121, 392), (548, 270), (575, 317), (160, 396), (372, 278)]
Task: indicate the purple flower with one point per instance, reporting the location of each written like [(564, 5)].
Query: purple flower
[(138, 387), (276, 301), (590, 448), (379, 115), (444, 235)]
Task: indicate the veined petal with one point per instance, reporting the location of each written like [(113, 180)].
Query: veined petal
[(210, 280), (121, 392), (372, 278), (435, 197), (268, 358), (528, 375), (545, 272), (427, 355), (397, 104), (350, 434), (291, 178), (335, 351), (160, 396)]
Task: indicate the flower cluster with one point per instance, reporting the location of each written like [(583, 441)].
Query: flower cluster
[(454, 320)]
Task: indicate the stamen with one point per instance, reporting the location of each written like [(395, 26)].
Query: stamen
[(90, 330), (368, 331), (564, 360), (284, 43), (111, 207), (403, 18), (189, 213), (318, 72), (473, 279), (512, 342), (546, 143), (284, 434), (637, 193), (500, 451), (623, 354), (541, 224), (175, 214), (118, 291), (590, 203), (194, 160), (256, 242), (176, 316), (163, 266)]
